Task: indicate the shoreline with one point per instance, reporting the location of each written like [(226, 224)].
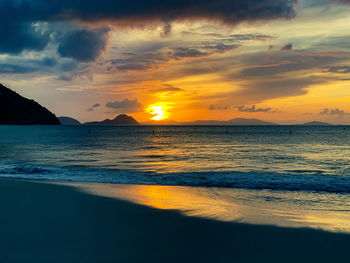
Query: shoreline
[(253, 206), (322, 210), (46, 222)]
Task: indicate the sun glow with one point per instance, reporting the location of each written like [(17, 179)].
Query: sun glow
[(158, 112)]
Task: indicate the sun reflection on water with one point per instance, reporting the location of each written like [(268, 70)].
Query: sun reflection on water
[(224, 204)]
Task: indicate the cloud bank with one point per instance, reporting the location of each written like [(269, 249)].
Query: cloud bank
[(25, 25), (336, 111)]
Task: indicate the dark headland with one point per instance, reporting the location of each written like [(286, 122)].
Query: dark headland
[(121, 119), (15, 109)]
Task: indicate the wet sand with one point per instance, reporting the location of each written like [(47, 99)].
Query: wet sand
[(44, 222)]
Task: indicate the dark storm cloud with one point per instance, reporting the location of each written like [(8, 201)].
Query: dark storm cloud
[(17, 37), (126, 105), (252, 109), (227, 11), (83, 45), (17, 18)]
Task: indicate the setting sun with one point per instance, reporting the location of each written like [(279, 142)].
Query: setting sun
[(158, 112)]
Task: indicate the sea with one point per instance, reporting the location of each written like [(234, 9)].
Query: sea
[(304, 166)]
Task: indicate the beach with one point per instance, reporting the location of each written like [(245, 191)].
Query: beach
[(46, 222), (208, 131)]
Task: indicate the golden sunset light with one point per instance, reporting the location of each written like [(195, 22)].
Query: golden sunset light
[(209, 71), (174, 131), (158, 111)]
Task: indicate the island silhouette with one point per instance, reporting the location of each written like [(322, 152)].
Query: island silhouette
[(68, 121), (121, 119)]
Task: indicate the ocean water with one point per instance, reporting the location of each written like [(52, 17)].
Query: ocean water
[(312, 158), (255, 174)]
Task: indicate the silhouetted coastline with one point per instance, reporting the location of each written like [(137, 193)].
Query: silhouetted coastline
[(15, 109)]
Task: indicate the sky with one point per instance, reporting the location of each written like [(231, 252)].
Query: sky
[(285, 61)]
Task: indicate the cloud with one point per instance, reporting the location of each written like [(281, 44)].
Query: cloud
[(261, 65), (166, 30), (217, 107), (147, 59), (339, 69), (163, 10), (336, 111), (253, 109), (125, 106), (27, 66), (93, 107), (287, 47), (344, 2), (281, 74), (15, 69), (83, 45), (257, 91), (167, 88), (18, 36), (22, 21)]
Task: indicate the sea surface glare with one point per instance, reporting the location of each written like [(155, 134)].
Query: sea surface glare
[(312, 158)]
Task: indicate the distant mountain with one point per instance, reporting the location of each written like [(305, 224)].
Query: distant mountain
[(121, 119), (317, 123), (15, 109), (68, 121), (237, 121)]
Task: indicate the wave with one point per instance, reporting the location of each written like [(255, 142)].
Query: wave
[(27, 169), (267, 180), (291, 181)]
